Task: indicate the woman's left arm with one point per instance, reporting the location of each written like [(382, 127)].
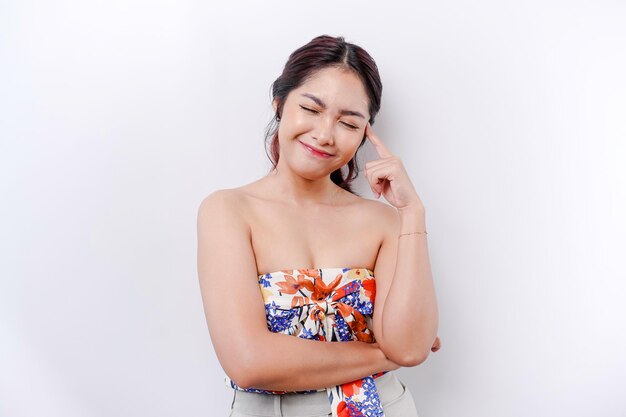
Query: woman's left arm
[(406, 316)]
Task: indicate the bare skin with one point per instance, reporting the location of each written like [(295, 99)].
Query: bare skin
[(294, 217)]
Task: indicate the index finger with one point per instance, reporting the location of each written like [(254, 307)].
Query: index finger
[(380, 147)]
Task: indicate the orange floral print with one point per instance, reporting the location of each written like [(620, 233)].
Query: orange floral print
[(305, 303)]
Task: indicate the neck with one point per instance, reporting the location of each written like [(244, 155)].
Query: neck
[(302, 191)]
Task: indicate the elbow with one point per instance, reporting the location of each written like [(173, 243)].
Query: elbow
[(415, 358), (241, 378), (244, 369), (408, 358)]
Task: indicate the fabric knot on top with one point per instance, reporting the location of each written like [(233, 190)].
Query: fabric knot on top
[(301, 303)]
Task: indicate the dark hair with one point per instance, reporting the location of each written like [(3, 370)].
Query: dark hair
[(322, 52)]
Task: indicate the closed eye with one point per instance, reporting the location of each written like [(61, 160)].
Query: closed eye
[(315, 112), (307, 109)]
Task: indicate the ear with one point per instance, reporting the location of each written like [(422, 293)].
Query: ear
[(275, 104)]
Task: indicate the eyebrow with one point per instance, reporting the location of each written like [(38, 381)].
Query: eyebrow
[(323, 105)]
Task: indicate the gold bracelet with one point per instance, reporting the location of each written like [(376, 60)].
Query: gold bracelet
[(412, 233)]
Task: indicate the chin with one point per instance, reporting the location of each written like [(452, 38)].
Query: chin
[(309, 171), (312, 174)]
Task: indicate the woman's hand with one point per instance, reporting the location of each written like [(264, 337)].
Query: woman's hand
[(388, 177)]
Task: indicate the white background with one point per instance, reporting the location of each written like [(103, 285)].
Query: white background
[(118, 117)]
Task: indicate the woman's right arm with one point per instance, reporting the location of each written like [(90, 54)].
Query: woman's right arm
[(250, 354)]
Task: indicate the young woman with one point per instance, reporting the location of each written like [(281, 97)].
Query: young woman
[(296, 260)]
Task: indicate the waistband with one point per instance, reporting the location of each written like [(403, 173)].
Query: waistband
[(231, 384), (388, 385)]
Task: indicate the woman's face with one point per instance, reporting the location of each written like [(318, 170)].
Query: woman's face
[(329, 112)]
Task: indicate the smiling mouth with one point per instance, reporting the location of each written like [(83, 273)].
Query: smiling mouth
[(316, 152)]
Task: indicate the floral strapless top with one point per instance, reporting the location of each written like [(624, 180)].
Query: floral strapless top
[(325, 304)]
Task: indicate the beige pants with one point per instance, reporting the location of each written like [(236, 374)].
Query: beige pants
[(395, 397)]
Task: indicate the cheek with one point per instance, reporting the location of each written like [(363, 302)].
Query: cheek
[(296, 126), (350, 148), (301, 123)]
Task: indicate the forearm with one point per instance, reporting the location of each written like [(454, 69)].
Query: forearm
[(290, 363), (410, 316)]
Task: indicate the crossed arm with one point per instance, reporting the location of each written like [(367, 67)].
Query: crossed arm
[(250, 354)]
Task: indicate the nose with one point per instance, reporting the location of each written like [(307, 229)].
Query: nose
[(324, 131)]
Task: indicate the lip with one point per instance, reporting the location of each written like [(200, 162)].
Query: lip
[(316, 151)]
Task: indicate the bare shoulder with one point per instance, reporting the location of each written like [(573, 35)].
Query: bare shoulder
[(380, 208), (226, 201), (238, 199), (380, 213), (221, 196)]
